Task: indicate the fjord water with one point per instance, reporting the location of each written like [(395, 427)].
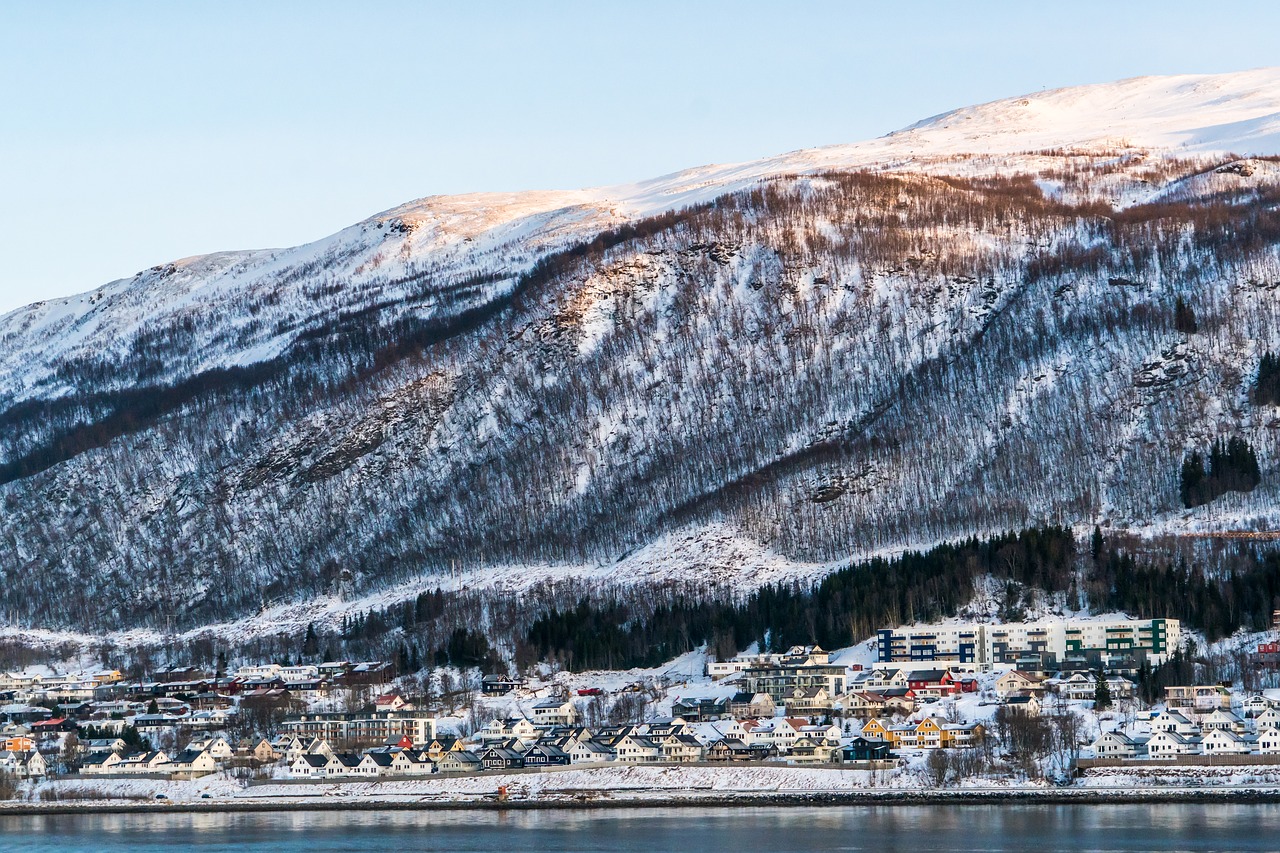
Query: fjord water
[(1045, 829)]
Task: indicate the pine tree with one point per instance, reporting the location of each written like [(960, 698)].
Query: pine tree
[(1095, 544), (311, 644), (1184, 318), (1101, 694), (1266, 387), (1192, 489)]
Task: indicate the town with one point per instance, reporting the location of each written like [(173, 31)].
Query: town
[(1054, 700)]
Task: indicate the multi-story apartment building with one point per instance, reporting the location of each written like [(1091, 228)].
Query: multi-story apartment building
[(370, 726), (1113, 643), (780, 676)]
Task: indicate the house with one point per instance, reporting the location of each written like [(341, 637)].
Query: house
[(99, 763), (932, 683), (438, 746), (1201, 698), (497, 685), (391, 702), (546, 755), (1269, 741), (501, 758), (1226, 742), (751, 705), (459, 761), (555, 712), (830, 731), (681, 748), (1078, 686), (154, 761), (1174, 721), (394, 762), (933, 733), (809, 749), (1220, 719), (217, 747), (319, 746), (589, 752), (1254, 705), (1171, 744), (880, 729), (700, 710), (731, 749), (1268, 719), (510, 728), (862, 704), (663, 726), (1119, 745), (311, 766), (192, 763), (809, 701), (779, 675), (879, 680), (52, 726), (262, 752), (1017, 681), (637, 749), (1023, 703), (17, 743), (23, 765), (1120, 687), (867, 749)]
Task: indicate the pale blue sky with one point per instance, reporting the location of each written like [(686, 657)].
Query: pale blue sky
[(136, 133)]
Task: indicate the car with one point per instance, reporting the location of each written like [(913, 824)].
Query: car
[(161, 797), (206, 796)]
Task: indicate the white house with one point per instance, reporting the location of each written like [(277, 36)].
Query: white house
[(637, 749), (1174, 721), (23, 765), (1220, 719), (1016, 681), (588, 752), (99, 763), (1268, 719), (217, 747), (1171, 744), (193, 763), (1225, 742), (310, 766), (1269, 741), (155, 761), (555, 712), (1119, 745)]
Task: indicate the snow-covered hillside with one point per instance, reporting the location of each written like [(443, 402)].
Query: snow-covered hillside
[(247, 306), (762, 368)]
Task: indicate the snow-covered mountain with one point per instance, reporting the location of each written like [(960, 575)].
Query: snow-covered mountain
[(777, 365)]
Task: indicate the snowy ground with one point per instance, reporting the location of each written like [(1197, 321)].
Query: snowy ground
[(629, 784)]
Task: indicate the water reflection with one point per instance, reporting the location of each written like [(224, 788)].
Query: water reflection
[(883, 829)]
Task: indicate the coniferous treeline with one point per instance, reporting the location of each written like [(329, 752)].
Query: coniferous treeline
[(1233, 467), (845, 608), (1217, 606)]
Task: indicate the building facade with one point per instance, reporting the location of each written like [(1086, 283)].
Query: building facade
[(1115, 643)]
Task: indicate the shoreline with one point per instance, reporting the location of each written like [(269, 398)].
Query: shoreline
[(963, 797)]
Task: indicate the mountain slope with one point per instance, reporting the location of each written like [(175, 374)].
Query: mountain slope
[(965, 325)]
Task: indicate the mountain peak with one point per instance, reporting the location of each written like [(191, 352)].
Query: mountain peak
[(1237, 112)]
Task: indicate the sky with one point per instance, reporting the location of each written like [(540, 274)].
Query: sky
[(136, 133)]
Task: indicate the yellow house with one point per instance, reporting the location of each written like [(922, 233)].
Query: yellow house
[(876, 728), (108, 676)]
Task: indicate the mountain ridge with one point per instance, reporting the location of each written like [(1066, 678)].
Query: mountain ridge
[(831, 353)]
